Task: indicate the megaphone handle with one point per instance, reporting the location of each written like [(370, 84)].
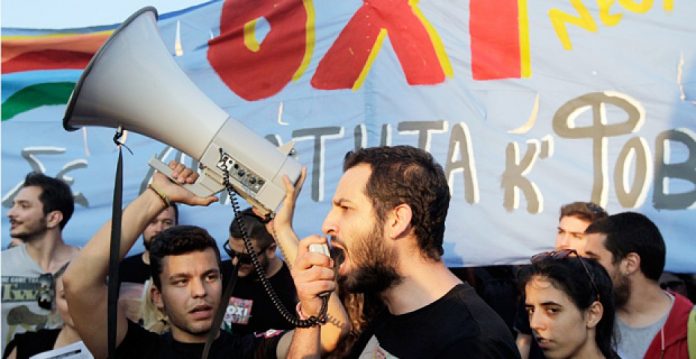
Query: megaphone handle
[(204, 187)]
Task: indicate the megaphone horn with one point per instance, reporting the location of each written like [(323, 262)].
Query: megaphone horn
[(134, 83)]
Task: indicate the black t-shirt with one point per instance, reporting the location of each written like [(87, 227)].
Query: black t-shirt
[(250, 309), (458, 325), (32, 343), (140, 343), (133, 270)]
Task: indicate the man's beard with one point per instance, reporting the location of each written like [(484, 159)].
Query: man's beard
[(622, 291), (377, 272), (147, 243), (253, 274), (31, 233)]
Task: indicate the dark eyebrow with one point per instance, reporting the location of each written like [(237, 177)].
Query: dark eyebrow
[(211, 271), (341, 201), (187, 275), (568, 231), (179, 276), (544, 304)]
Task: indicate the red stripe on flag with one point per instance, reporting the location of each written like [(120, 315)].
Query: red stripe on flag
[(495, 39), (47, 60)]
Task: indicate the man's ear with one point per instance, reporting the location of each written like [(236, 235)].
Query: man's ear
[(271, 251), (399, 221), (53, 219), (156, 297), (594, 314), (630, 264)]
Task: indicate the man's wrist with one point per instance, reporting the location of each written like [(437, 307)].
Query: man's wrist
[(305, 314), (163, 196)]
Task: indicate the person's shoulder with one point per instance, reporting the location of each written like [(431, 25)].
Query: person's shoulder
[(471, 308), (136, 258), (682, 301), (31, 336), (465, 295), (132, 269), (13, 249), (679, 313), (8, 254), (137, 341), (33, 342), (15, 261)]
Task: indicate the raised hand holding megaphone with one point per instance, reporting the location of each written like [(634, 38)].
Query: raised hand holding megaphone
[(133, 83)]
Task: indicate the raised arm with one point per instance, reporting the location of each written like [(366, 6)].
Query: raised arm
[(85, 278), (338, 323)]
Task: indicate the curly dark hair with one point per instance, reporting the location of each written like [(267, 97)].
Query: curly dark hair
[(175, 241), (407, 175)]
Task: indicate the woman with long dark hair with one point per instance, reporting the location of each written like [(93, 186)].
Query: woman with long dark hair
[(570, 306)]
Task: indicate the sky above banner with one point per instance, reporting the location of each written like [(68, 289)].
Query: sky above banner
[(527, 106), (69, 14)]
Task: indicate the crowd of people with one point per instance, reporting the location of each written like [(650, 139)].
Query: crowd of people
[(385, 292)]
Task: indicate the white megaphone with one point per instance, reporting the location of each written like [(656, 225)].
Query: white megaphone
[(133, 83)]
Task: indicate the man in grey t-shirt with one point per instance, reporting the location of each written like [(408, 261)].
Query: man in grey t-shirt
[(39, 212), (652, 322)]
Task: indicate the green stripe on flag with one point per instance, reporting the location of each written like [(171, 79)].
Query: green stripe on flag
[(34, 96)]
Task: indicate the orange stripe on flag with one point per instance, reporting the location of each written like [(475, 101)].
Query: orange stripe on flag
[(39, 52)]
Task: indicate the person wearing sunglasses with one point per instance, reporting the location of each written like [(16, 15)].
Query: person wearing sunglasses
[(250, 309), (570, 306), (652, 322)]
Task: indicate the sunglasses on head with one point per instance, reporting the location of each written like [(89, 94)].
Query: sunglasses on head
[(565, 253), (242, 257)]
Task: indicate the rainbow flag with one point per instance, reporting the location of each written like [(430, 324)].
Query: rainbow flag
[(41, 68)]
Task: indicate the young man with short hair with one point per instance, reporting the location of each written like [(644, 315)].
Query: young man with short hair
[(40, 211), (573, 220), (188, 287), (652, 323)]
